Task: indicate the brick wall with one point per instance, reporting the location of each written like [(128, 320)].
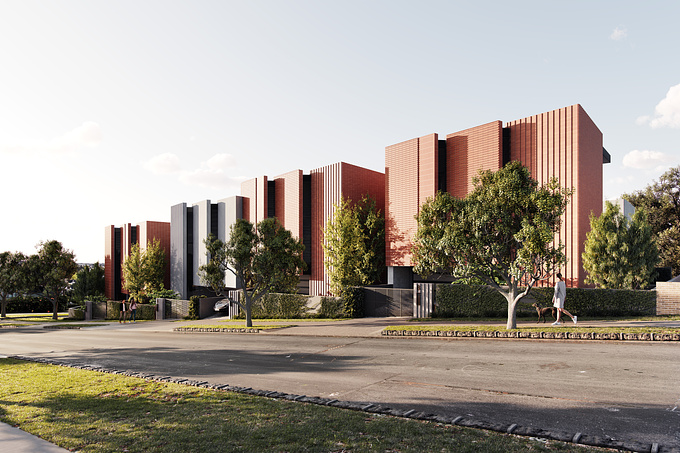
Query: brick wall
[(289, 201), (565, 144), (471, 150), (410, 178), (668, 298)]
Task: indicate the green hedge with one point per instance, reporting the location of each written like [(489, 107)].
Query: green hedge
[(469, 301), (602, 302), (280, 306), (332, 307), (144, 311), (353, 298), (34, 304), (453, 301)]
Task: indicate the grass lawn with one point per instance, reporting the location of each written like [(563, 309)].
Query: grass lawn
[(90, 411), (35, 317)]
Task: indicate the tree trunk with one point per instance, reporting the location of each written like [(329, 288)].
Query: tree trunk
[(248, 305), (4, 307), (511, 297), (55, 307)]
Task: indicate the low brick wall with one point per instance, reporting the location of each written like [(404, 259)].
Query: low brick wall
[(668, 298)]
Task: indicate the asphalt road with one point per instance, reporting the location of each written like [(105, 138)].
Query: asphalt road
[(623, 390)]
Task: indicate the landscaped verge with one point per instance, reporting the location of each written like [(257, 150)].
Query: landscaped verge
[(548, 333)]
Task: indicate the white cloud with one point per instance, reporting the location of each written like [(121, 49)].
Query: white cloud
[(646, 160), (618, 34), (214, 173), (163, 164), (666, 112), (88, 134)]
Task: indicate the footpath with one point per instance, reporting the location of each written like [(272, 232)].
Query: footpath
[(17, 441)]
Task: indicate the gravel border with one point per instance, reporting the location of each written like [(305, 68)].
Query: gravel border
[(525, 431), (539, 335)]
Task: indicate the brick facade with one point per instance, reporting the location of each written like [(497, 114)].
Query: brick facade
[(563, 143)]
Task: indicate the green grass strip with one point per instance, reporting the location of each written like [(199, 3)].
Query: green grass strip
[(91, 411), (547, 328)]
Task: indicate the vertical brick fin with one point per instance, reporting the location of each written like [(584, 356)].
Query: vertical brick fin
[(401, 200), (289, 201), (471, 150)]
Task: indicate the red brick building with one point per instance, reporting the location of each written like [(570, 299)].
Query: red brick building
[(304, 204), (118, 245), (563, 143)]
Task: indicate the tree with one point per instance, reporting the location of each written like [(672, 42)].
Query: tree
[(354, 244), (620, 254), (502, 233), (57, 266), (144, 270), (11, 277), (263, 259), (89, 283), (661, 201)]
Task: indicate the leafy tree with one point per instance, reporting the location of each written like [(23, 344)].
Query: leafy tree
[(89, 283), (354, 244), (620, 254), (502, 233), (144, 270), (263, 259), (56, 266), (11, 277), (661, 201)]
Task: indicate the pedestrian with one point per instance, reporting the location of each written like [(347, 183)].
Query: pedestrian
[(123, 313), (558, 300), (133, 309)]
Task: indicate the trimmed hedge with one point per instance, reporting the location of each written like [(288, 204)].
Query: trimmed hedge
[(469, 301), (36, 304), (454, 301), (332, 307), (280, 306), (144, 311), (602, 302)]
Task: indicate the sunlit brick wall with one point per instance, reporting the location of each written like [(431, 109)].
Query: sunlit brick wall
[(471, 150), (411, 169)]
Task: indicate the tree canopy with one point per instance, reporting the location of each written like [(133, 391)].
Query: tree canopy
[(620, 254), (12, 277), (143, 270), (56, 266), (263, 259), (661, 202), (89, 284), (354, 244), (502, 233)]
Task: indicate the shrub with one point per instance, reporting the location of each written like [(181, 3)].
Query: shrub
[(469, 301), (34, 304), (194, 307), (353, 301), (332, 307), (603, 302), (483, 301), (281, 306)]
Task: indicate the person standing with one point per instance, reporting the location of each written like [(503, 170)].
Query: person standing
[(133, 310), (558, 300), (123, 312)]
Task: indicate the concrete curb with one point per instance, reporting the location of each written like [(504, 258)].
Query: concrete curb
[(376, 408)]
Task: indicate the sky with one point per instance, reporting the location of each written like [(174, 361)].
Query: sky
[(112, 112)]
